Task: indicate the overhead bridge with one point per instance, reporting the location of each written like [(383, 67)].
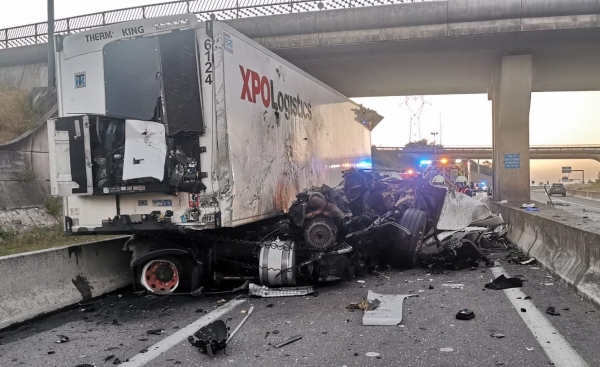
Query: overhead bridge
[(535, 152)]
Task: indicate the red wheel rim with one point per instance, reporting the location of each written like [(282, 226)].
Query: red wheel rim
[(160, 276)]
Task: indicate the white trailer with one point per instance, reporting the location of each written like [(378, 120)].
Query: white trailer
[(169, 126), (252, 129)]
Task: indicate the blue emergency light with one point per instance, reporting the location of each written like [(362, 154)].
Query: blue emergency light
[(425, 162)]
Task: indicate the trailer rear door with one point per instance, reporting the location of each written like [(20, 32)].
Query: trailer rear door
[(70, 156)]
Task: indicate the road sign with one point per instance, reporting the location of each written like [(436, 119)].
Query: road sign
[(512, 161), (566, 170)]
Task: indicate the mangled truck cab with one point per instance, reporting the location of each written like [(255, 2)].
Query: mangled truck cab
[(194, 138)]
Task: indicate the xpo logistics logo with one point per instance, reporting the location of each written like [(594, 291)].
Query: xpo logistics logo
[(256, 86)]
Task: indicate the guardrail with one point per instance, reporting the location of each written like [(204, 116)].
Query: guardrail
[(31, 34)]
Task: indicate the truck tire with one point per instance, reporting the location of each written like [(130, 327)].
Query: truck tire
[(406, 248)]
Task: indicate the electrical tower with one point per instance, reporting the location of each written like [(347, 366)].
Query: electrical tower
[(414, 105)]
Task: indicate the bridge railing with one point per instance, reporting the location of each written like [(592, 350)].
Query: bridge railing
[(204, 9), (533, 148)]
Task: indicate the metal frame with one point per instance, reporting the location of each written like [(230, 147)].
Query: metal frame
[(32, 34)]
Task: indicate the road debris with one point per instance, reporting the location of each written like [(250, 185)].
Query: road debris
[(364, 305), (210, 338), (523, 309), (389, 312), (497, 335), (264, 291), (155, 332), (240, 324), (62, 339), (552, 311), (502, 282), (465, 314), (446, 350), (372, 354), (529, 349), (288, 341)]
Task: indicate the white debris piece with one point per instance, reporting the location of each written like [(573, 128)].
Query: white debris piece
[(389, 312)]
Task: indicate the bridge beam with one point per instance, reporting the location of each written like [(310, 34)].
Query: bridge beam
[(511, 100)]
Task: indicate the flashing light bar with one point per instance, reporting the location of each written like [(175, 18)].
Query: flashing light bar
[(425, 162)]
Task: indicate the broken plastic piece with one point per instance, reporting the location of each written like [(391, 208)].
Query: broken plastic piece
[(446, 350), (465, 314), (372, 354), (552, 311), (288, 341), (155, 332), (502, 282), (264, 291), (210, 338), (389, 312), (497, 335)]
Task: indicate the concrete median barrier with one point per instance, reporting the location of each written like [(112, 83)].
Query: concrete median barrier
[(569, 251), (578, 193), (39, 282)]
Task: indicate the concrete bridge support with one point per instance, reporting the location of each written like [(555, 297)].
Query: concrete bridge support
[(511, 99)]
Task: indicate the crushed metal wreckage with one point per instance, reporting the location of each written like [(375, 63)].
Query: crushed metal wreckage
[(336, 233)]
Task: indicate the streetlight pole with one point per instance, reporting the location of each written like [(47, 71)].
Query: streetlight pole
[(51, 66), (434, 145)]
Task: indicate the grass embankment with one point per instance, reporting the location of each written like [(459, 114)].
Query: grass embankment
[(41, 238), (17, 114)]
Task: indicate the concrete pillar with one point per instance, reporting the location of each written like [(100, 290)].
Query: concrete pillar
[(511, 100)]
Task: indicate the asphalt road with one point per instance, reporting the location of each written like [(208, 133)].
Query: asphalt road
[(540, 195), (332, 335)]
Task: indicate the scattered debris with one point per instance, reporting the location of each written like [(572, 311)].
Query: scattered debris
[(364, 305), (275, 332), (155, 332), (523, 309), (288, 341), (51, 352), (548, 283), (497, 335), (430, 287), (109, 358), (389, 312), (240, 324), (552, 311), (221, 301), (62, 339), (446, 350), (360, 281), (116, 322), (210, 338), (267, 334), (527, 298), (531, 261), (372, 354), (465, 314), (269, 305), (566, 309), (502, 282), (453, 286), (264, 291), (117, 361), (529, 349)]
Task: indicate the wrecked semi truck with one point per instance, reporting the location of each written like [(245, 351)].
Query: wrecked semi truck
[(195, 139)]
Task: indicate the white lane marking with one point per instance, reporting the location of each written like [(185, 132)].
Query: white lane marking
[(176, 338), (560, 352)]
